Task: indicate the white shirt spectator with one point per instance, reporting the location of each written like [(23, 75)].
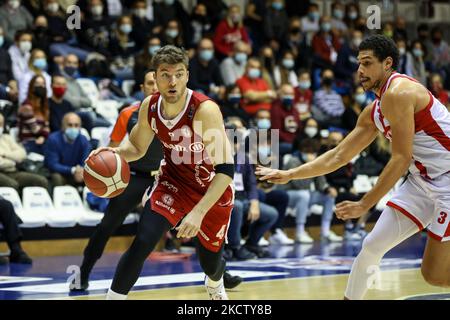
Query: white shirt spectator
[(292, 77), (19, 62), (309, 27), (231, 71)]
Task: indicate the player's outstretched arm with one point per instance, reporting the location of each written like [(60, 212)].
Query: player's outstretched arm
[(208, 123), (140, 137), (357, 140), (398, 109)]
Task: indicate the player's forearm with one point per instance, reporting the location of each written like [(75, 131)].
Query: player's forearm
[(328, 162), (129, 152), (215, 190), (393, 171)]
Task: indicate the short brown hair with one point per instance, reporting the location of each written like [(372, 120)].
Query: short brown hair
[(171, 55)]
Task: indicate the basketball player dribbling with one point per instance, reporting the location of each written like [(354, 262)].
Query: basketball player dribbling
[(193, 191), (418, 126)]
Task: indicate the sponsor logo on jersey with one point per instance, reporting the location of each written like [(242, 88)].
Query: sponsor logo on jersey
[(197, 147), (159, 203), (215, 244), (175, 147), (170, 186), (167, 199), (203, 235)]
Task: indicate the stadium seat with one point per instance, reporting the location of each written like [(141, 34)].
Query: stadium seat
[(131, 218), (67, 199), (362, 183), (90, 89), (127, 86), (30, 219), (108, 109), (37, 199), (101, 134)]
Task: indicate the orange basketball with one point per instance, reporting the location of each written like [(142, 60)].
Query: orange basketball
[(106, 174)]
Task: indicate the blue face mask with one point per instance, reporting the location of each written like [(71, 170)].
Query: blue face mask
[(417, 52), (263, 152), (2, 40), (288, 63), (277, 5), (40, 63), (353, 15), (172, 33), (304, 84), (287, 101), (241, 57), (314, 15), (126, 28), (72, 133), (360, 98), (254, 73), (206, 55), (263, 124), (234, 98), (338, 14), (71, 71), (326, 26), (152, 49)]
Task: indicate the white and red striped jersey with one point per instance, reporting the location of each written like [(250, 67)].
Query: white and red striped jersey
[(431, 144)]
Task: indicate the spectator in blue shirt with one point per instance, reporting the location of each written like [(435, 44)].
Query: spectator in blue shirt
[(65, 152)]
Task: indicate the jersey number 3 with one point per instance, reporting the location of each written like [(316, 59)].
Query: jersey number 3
[(442, 218)]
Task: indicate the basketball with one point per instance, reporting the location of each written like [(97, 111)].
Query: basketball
[(106, 174)]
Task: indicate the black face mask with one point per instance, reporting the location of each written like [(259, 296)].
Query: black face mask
[(39, 92), (268, 63), (295, 30), (41, 30), (327, 81)]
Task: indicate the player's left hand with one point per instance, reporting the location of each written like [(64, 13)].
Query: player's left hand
[(350, 209), (190, 225)]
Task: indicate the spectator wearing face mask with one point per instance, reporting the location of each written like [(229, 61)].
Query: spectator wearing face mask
[(37, 66), (285, 118), (268, 62), (231, 107), (65, 152), (308, 134), (142, 26), (173, 34), (295, 42), (276, 24), (172, 10), (303, 95), (347, 63), (204, 71), (230, 31), (122, 49), (11, 155), (143, 61), (200, 24), (14, 17), (310, 23), (325, 45), (328, 106), (284, 72), (41, 37), (351, 113), (233, 67), (20, 53), (33, 116), (337, 20), (255, 91), (57, 104), (417, 62), (351, 15), (404, 59)]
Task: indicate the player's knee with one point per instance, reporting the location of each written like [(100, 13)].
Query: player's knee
[(435, 278), (371, 245)]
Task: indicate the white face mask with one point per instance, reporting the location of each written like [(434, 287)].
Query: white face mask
[(401, 51), (141, 13), (53, 7), (25, 46), (14, 4), (311, 131), (97, 10)]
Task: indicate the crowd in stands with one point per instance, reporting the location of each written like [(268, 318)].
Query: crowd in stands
[(269, 64)]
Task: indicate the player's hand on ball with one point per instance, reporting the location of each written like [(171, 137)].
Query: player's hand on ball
[(272, 175), (350, 210), (190, 225), (98, 150)]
